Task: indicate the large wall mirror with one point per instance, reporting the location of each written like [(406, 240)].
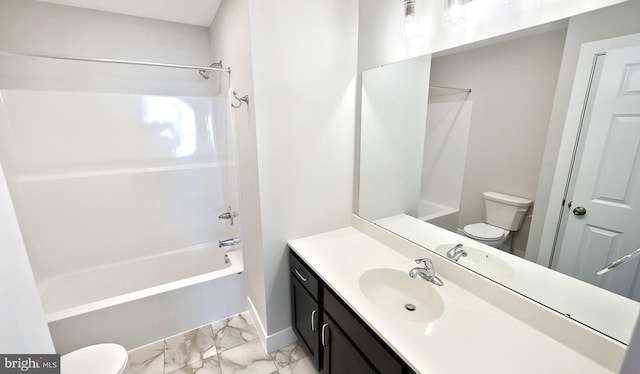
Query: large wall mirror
[(438, 132)]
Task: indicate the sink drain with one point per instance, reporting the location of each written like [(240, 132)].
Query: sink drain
[(410, 307)]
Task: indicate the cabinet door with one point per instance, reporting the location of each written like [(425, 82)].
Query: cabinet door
[(305, 319), (339, 355), (367, 342)]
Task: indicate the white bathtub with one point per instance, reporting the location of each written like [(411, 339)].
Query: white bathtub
[(439, 215), (139, 301)]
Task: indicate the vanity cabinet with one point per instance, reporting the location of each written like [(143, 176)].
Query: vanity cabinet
[(338, 341), (305, 308)]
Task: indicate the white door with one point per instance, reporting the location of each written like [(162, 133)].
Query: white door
[(607, 184)]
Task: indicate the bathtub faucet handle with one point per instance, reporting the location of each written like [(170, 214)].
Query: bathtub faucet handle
[(229, 214)]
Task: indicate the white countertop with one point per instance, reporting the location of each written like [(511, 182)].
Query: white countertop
[(603, 310), (471, 336)]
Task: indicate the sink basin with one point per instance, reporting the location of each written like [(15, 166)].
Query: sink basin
[(481, 261), (400, 296)]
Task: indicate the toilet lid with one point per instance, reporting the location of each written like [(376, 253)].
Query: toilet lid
[(483, 231), (95, 359)]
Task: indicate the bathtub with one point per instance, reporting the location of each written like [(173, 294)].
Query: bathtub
[(140, 301), (439, 215)]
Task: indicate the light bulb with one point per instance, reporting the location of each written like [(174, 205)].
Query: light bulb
[(455, 12), (411, 20)]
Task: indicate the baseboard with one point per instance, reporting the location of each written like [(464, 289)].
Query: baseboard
[(275, 341), (281, 339), (259, 326)]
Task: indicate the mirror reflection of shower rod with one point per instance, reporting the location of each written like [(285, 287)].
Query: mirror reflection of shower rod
[(213, 67), (451, 88)]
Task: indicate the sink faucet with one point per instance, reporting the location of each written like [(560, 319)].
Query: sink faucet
[(456, 252), (427, 272)]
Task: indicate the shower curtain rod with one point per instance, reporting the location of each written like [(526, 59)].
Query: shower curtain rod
[(112, 61), (452, 88)]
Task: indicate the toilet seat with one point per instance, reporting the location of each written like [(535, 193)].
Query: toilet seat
[(484, 231), (95, 359)]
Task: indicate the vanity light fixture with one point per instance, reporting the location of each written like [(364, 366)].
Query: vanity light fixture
[(455, 12), (411, 20)]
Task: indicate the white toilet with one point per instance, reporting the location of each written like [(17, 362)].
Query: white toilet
[(503, 214), (95, 359)]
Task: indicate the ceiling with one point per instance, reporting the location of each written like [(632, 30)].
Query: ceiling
[(192, 12)]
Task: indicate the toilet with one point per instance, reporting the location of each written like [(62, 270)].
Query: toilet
[(503, 214), (95, 359)]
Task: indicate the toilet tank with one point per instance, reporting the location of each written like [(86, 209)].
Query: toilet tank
[(505, 211)]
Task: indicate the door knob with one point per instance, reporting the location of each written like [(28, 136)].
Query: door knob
[(579, 211)]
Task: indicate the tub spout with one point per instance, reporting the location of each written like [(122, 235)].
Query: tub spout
[(228, 242)]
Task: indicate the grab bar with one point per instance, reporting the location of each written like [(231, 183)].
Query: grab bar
[(618, 262)]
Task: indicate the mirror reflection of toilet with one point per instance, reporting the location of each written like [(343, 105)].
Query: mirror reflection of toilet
[(503, 214), (95, 359)]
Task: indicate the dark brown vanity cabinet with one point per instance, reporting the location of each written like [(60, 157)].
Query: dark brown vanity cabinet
[(305, 308), (305, 319), (337, 340)]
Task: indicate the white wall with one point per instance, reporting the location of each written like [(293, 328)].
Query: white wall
[(392, 138), (381, 40), (29, 25), (230, 42), (22, 322), (304, 67)]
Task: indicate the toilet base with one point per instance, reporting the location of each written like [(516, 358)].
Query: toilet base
[(494, 244), (496, 241)]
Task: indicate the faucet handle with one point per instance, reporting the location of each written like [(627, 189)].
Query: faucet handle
[(425, 261), (429, 271)]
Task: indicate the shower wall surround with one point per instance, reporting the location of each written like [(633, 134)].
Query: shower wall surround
[(98, 178)]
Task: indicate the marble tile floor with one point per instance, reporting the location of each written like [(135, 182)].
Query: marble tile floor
[(228, 346)]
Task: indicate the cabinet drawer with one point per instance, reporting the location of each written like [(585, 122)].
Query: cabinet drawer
[(302, 273), (361, 337)]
